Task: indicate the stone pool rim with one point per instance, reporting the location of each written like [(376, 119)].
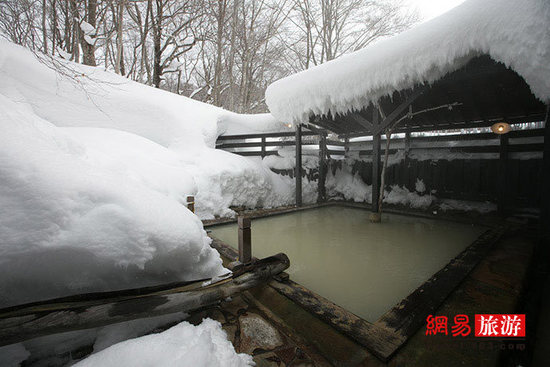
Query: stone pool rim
[(392, 330)]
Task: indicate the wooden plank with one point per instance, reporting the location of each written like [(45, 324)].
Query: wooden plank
[(298, 167), (99, 309), (258, 144), (390, 119), (321, 189), (482, 137), (410, 314), (335, 152), (316, 130), (473, 149), (451, 126), (381, 342), (362, 121), (255, 153), (264, 135)]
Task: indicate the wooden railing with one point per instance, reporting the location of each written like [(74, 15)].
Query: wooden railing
[(268, 143), (514, 142), (262, 145)]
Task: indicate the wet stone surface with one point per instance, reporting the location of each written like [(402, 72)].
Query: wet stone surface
[(252, 333), (257, 333)]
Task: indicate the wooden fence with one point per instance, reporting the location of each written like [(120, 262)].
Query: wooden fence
[(261, 145), (473, 166)]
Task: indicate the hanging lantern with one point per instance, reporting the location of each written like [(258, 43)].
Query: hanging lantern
[(501, 128)]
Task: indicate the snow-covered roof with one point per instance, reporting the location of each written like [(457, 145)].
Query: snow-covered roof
[(514, 32)]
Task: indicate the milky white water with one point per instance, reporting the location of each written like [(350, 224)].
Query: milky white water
[(364, 267)]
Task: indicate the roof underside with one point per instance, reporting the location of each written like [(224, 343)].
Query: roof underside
[(482, 92)]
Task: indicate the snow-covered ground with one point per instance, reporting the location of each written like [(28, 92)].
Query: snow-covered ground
[(205, 345), (128, 344)]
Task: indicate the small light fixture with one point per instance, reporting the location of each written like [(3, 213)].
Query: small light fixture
[(289, 125), (501, 128)]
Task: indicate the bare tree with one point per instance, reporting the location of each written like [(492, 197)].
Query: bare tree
[(330, 28), (224, 52)]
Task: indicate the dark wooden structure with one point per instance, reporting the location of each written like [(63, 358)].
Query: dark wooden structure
[(245, 239), (85, 311), (479, 94)]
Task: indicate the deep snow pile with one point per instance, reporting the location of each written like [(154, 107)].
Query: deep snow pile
[(205, 345), (90, 97), (349, 186), (514, 32), (76, 220), (95, 169), (343, 184)]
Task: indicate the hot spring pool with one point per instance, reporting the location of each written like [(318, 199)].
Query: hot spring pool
[(364, 267)]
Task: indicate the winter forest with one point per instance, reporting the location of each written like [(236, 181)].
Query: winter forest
[(223, 52)]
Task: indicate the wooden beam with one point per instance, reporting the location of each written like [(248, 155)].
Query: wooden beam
[(315, 129), (261, 135), (362, 121), (502, 174), (387, 121), (99, 309), (375, 164), (298, 168), (321, 189)]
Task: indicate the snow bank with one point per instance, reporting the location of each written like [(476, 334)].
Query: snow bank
[(351, 187), (87, 97), (286, 159), (182, 345), (402, 196), (514, 32), (233, 124), (83, 96), (343, 184), (95, 170), (73, 220)]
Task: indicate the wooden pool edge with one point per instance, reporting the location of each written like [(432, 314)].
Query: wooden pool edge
[(387, 335), (393, 209)]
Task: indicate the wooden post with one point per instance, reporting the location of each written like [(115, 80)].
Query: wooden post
[(191, 203), (298, 170), (245, 239), (545, 202), (321, 190), (502, 174), (375, 164), (407, 145), (263, 146), (406, 162)]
